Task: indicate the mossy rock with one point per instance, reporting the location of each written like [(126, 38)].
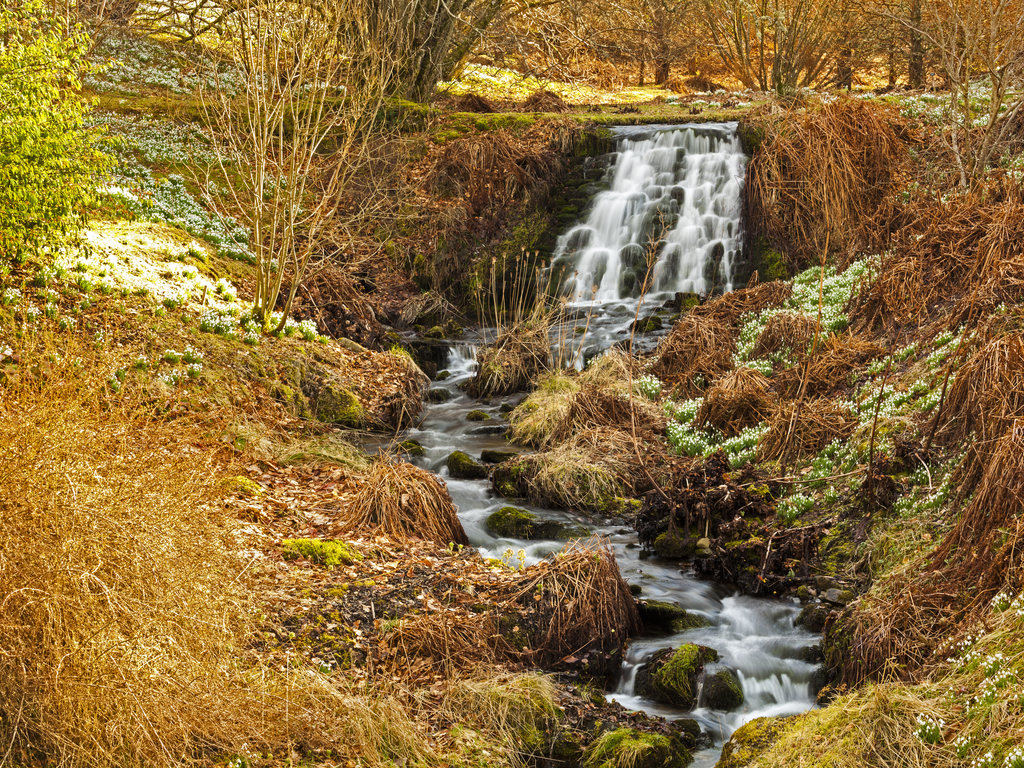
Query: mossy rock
[(462, 467), (323, 552), (412, 448), (442, 375), (670, 677), (750, 741), (496, 457), (293, 399), (675, 545), (813, 617), (515, 523), (243, 486), (617, 506), (437, 332), (438, 395), (337, 405), (722, 691), (478, 416), (630, 748), (668, 617)]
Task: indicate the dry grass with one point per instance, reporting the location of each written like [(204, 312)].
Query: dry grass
[(697, 346), (738, 400), (585, 603), (800, 430), (729, 307), (399, 499), (593, 407), (785, 330), (122, 610), (539, 415), (545, 101), (818, 176), (585, 472), (444, 642), (494, 168), (830, 367), (516, 359)]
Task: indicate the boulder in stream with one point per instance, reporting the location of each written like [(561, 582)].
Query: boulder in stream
[(627, 746), (722, 691), (438, 395), (670, 677), (515, 523), (478, 415), (462, 467), (750, 741), (668, 617), (496, 457)]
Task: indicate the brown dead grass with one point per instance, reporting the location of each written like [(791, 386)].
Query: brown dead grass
[(698, 345), (803, 429), (729, 307), (819, 175), (595, 407), (785, 330), (516, 359), (400, 499), (829, 368), (738, 400), (545, 101)]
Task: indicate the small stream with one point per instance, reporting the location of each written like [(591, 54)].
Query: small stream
[(684, 184)]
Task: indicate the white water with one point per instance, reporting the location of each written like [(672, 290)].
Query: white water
[(754, 637), (674, 204)]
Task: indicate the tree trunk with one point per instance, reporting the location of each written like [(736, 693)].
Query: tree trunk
[(661, 72), (915, 70), (642, 73)]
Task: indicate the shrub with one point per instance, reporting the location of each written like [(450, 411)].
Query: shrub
[(48, 160)]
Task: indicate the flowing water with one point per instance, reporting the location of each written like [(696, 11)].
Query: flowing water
[(697, 173)]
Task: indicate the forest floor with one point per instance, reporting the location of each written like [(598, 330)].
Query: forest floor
[(844, 435)]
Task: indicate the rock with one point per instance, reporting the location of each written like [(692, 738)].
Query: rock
[(437, 332), (496, 429), (675, 545), (337, 405), (442, 375), (496, 457), (704, 543), (811, 654), (668, 617), (635, 590), (412, 448), (438, 395), (478, 416), (462, 467), (838, 596), (813, 617), (722, 691), (515, 523), (626, 746), (750, 741), (670, 677)]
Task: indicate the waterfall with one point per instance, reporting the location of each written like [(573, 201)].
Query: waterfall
[(670, 219)]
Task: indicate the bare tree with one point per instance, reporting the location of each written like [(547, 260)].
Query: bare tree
[(297, 127), (981, 45), (777, 45)]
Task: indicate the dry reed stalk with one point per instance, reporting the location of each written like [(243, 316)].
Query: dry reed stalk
[(698, 345), (444, 642), (592, 407), (399, 499), (514, 361), (820, 421), (829, 368), (785, 330), (729, 307), (736, 401), (817, 176), (584, 602)]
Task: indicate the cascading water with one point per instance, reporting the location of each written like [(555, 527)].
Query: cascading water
[(694, 176), (670, 220)]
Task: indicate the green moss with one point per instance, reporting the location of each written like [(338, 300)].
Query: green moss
[(675, 545), (750, 741), (722, 691), (412, 448), (243, 486), (515, 523), (323, 552), (670, 677), (337, 405), (437, 332), (629, 748), (478, 416), (462, 467), (668, 616)]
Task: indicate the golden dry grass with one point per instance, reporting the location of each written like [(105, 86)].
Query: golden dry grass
[(738, 400), (697, 346), (785, 330), (799, 429), (400, 499)]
